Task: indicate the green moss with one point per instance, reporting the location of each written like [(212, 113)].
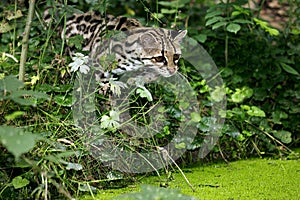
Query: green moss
[(247, 179)]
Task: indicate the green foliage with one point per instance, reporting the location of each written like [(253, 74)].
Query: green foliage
[(17, 141), (258, 63)]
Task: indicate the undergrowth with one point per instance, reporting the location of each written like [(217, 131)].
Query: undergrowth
[(43, 153)]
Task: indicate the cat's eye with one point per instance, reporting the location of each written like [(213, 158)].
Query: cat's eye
[(159, 59), (176, 57)]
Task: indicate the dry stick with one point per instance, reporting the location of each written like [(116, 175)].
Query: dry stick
[(270, 136), (166, 156), (25, 40)]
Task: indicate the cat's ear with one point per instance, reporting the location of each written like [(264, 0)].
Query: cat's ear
[(178, 35), (148, 40)]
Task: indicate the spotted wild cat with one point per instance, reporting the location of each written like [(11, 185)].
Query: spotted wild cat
[(153, 48)]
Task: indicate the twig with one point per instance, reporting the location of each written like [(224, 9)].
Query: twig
[(25, 40), (165, 155), (269, 135)]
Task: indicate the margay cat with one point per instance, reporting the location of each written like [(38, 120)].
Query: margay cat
[(158, 49)]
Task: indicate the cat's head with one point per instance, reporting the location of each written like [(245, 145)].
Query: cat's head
[(155, 48), (160, 50)]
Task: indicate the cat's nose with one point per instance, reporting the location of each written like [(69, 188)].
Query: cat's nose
[(172, 70)]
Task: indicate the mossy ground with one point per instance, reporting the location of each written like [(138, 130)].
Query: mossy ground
[(246, 179)]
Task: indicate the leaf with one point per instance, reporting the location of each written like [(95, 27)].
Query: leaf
[(236, 13), (255, 111), (167, 11), (112, 175), (74, 166), (5, 27), (264, 26), (195, 117), (110, 121), (233, 28), (12, 88), (213, 14), (201, 38), (214, 20), (16, 140), (19, 182), (174, 4), (272, 31), (14, 115), (10, 83), (241, 94), (63, 100), (15, 15), (219, 24), (144, 92), (289, 69), (218, 94), (242, 21), (283, 136), (278, 115)]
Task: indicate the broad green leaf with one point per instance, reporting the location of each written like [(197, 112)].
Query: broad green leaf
[(13, 90), (19, 182), (195, 117), (247, 133), (218, 24), (283, 136), (245, 107), (157, 15), (63, 100), (278, 115), (289, 69), (218, 94), (167, 11), (233, 28), (214, 20), (16, 140), (247, 92), (144, 92), (213, 14), (241, 94), (201, 38), (255, 111), (10, 83), (295, 31), (237, 97), (111, 121), (235, 13)]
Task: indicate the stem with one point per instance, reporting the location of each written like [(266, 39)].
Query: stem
[(226, 50), (269, 135), (25, 40), (165, 156)]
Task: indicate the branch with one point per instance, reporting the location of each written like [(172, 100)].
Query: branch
[(25, 40)]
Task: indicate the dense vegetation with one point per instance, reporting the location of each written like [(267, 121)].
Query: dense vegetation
[(42, 152)]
